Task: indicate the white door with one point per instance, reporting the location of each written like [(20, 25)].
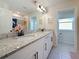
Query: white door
[(66, 27)]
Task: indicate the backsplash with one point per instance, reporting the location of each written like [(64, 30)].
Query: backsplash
[(7, 35)]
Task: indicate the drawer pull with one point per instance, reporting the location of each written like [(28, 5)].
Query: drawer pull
[(36, 55), (45, 46)]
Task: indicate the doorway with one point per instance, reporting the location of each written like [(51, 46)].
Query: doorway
[(66, 27)]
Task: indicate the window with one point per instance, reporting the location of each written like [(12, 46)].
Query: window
[(66, 24)]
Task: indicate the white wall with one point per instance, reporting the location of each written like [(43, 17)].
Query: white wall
[(5, 18)]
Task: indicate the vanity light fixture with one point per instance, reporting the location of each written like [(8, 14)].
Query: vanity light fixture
[(40, 7)]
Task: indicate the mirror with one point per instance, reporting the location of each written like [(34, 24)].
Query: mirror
[(8, 22)]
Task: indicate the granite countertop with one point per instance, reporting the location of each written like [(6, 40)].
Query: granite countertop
[(11, 44)]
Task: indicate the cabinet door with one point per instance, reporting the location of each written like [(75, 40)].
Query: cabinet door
[(45, 48), (39, 48), (49, 41), (47, 45)]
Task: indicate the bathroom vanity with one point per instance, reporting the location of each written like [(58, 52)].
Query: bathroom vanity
[(31, 46)]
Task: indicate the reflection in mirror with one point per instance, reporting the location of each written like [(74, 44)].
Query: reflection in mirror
[(19, 25), (33, 23), (14, 22)]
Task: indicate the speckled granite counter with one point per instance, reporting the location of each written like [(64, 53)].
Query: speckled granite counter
[(10, 45)]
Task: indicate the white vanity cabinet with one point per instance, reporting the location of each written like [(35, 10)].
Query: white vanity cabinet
[(36, 50)]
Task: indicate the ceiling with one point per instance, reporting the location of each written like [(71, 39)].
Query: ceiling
[(27, 6), (24, 6)]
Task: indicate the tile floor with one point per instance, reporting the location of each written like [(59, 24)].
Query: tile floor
[(61, 52)]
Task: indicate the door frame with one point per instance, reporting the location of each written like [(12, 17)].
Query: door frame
[(75, 25)]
